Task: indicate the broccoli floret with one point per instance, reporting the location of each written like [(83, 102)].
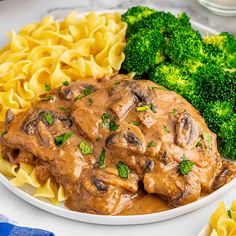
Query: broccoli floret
[(143, 51), (221, 49), (183, 45), (165, 22), (227, 138), (178, 79), (135, 14), (216, 113), (215, 83)]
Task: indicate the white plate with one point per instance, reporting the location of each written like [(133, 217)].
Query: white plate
[(120, 220)]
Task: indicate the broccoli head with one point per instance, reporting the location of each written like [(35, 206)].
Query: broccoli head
[(216, 113), (165, 22), (178, 79), (183, 45), (143, 51), (221, 49), (135, 14), (215, 83), (227, 138)]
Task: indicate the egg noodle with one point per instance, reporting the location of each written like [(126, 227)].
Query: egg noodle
[(223, 222), (49, 53)]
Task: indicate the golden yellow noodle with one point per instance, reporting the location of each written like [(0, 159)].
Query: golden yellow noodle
[(50, 52), (223, 223)]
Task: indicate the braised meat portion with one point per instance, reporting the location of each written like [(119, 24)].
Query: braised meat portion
[(113, 141)]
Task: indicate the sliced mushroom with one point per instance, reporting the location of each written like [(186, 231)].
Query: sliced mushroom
[(123, 105), (9, 117), (100, 185), (149, 165), (130, 140), (187, 132)]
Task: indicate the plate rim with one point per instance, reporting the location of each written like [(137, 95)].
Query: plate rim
[(119, 220)]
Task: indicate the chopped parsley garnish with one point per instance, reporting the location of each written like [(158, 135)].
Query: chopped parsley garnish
[(199, 144), (153, 108), (90, 101), (102, 160), (137, 123), (123, 170), (152, 144), (113, 126), (47, 87), (153, 88), (116, 82), (105, 117), (207, 137), (4, 132), (99, 138), (59, 140), (85, 93), (49, 119), (174, 111), (166, 129), (47, 98), (63, 108), (143, 108), (85, 147), (65, 83), (229, 213), (185, 166)]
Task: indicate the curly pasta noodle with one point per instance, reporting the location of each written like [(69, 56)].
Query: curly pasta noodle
[(50, 52), (223, 222)]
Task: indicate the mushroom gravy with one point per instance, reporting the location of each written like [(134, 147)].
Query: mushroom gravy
[(118, 146)]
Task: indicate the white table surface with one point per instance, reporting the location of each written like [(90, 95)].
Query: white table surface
[(16, 13)]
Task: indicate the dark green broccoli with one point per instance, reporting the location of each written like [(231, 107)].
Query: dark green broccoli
[(178, 79), (227, 138), (221, 49), (143, 51), (165, 22), (216, 113), (215, 83), (184, 44), (135, 14)]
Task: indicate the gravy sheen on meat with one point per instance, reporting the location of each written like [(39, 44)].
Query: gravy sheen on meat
[(79, 134)]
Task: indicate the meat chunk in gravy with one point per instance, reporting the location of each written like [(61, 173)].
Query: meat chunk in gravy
[(149, 129)]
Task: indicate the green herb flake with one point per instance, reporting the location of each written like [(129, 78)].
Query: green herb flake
[(85, 147), (229, 213), (99, 138), (185, 166), (166, 129), (47, 87), (136, 123), (47, 98), (174, 111), (65, 83), (59, 140), (88, 91), (90, 101), (116, 82), (207, 137), (4, 132), (143, 108), (102, 160), (199, 144), (153, 108), (152, 144), (85, 93), (49, 119), (105, 117), (63, 108), (123, 170), (113, 126)]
